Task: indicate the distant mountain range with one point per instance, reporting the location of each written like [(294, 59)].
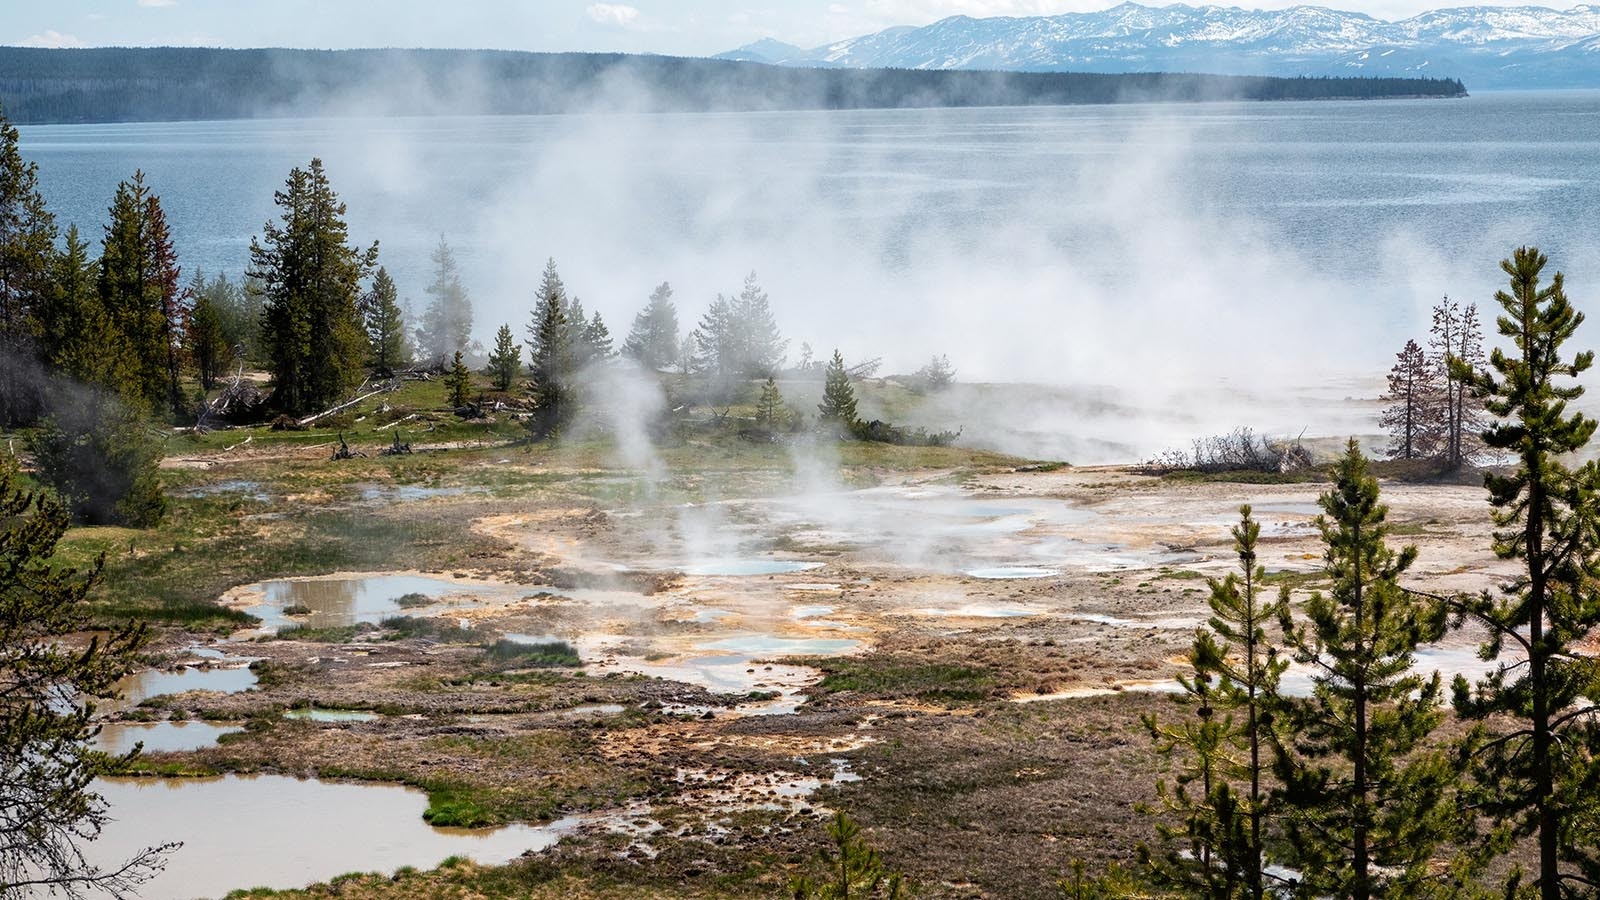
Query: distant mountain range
[(1485, 46)]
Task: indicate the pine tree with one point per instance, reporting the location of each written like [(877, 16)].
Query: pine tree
[(387, 346), (550, 358), (505, 361), (716, 339), (140, 291), (76, 334), (771, 412), (458, 383), (653, 340), (238, 308), (597, 340), (1415, 401), (207, 344), (27, 248), (1221, 850), (310, 277), (1366, 796), (854, 869), (51, 683), (759, 345), (837, 410), (1538, 778), (1457, 334), (447, 322)]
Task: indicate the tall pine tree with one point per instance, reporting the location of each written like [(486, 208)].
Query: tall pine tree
[(505, 360), (550, 358), (1365, 793), (310, 275), (206, 341), (447, 322), (388, 347), (716, 339), (837, 411), (1223, 795), (1414, 403), (1457, 334), (1540, 775), (27, 248), (76, 335), (458, 383), (760, 346), (653, 340), (140, 291)]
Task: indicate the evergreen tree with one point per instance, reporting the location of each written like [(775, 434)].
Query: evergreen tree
[(447, 322), (1539, 777), (653, 340), (1366, 796), (686, 355), (27, 248), (1457, 334), (49, 683), (838, 407), (1415, 401), (1221, 849), (76, 334), (597, 340), (853, 868), (458, 383), (140, 291), (771, 412), (759, 345), (717, 350), (505, 361), (310, 276), (238, 308), (550, 357), (207, 344), (388, 348)]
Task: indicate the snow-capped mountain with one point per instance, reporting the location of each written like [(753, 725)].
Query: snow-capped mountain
[(1486, 46)]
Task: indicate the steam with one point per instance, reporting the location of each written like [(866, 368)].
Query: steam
[(1097, 253)]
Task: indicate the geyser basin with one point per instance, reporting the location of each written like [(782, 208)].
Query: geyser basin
[(277, 832)]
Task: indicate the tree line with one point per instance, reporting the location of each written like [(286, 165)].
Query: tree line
[(193, 83), (103, 349)]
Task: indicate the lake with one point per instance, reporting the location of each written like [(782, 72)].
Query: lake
[(1158, 249)]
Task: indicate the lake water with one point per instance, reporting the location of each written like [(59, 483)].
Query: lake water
[(1146, 248)]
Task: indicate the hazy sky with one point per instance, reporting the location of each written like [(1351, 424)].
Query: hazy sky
[(688, 27)]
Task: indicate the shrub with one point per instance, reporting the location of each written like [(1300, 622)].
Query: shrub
[(101, 458)]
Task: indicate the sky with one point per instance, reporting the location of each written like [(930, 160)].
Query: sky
[(679, 27)]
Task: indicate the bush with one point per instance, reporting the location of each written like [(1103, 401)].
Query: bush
[(1240, 450), (101, 458), (553, 654), (413, 600)]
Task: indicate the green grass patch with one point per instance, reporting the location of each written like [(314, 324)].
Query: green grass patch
[(549, 655), (933, 682)]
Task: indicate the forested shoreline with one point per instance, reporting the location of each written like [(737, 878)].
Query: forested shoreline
[(41, 86)]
